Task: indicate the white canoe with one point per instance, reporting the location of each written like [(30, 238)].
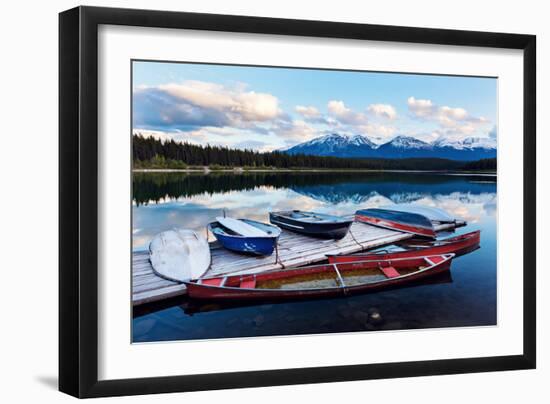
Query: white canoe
[(179, 255), (240, 227), (434, 214)]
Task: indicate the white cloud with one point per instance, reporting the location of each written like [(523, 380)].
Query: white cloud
[(235, 138), (493, 132), (205, 112), (197, 104), (420, 108), (453, 113), (307, 112), (255, 145), (295, 131), (453, 122), (383, 110), (444, 115), (155, 134), (345, 115), (199, 136), (247, 105), (378, 132)]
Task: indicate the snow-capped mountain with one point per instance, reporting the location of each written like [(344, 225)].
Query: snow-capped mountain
[(358, 146), (408, 142), (468, 143), (335, 145)]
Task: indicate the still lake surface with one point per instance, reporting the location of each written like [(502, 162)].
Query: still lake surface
[(465, 297)]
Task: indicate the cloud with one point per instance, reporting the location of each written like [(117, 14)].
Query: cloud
[(420, 108), (453, 122), (156, 109), (377, 132), (158, 135), (452, 117), (493, 132), (295, 131), (313, 115), (444, 115), (236, 116), (196, 137), (254, 145), (339, 111), (197, 103), (246, 105), (307, 112), (383, 110)]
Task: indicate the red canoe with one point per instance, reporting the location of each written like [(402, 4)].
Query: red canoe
[(457, 245), (320, 280), (405, 222)]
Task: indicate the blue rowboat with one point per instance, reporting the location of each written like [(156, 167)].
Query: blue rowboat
[(245, 235), (401, 221)]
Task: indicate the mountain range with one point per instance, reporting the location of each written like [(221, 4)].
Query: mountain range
[(359, 146)]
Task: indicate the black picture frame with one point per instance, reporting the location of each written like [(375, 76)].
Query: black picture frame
[(78, 196)]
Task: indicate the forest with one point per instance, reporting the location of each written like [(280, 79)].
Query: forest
[(151, 153)]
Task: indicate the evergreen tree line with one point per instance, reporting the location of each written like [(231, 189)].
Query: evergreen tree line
[(483, 164), (153, 153)]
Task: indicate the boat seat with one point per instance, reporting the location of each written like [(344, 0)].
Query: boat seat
[(212, 281), (250, 284), (436, 259), (390, 272)]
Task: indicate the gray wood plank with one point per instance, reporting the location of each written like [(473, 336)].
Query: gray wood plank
[(293, 250)]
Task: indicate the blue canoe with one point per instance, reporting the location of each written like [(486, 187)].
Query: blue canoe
[(245, 235)]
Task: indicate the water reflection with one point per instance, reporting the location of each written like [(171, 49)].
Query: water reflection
[(163, 201), (160, 187), (193, 307), (167, 200)]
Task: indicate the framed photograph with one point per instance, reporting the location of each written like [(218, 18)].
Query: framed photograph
[(251, 201)]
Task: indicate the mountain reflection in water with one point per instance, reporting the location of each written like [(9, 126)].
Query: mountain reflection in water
[(464, 297), (166, 200)]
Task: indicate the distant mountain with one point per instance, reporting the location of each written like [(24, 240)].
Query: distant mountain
[(406, 147), (407, 142), (468, 143), (357, 146), (335, 145)]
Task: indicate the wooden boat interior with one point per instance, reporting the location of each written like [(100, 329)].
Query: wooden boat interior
[(266, 229), (328, 275), (242, 227), (311, 217), (417, 243)]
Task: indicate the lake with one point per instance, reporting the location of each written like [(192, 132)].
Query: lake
[(464, 297)]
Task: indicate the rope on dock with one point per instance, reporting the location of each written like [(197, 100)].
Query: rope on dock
[(354, 239), (277, 258)]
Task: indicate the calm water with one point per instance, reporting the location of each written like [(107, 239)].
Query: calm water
[(465, 297)]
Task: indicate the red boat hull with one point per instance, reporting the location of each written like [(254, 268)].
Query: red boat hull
[(388, 223), (458, 245), (243, 288)]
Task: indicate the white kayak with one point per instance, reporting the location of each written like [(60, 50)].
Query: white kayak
[(434, 214), (240, 227), (179, 255)]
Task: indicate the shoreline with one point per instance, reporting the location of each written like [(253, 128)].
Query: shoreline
[(206, 170)]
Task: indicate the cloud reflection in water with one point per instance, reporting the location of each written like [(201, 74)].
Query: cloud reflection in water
[(460, 197)]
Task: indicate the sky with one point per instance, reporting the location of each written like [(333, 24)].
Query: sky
[(269, 108)]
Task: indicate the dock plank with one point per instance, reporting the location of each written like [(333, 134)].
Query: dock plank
[(293, 250)]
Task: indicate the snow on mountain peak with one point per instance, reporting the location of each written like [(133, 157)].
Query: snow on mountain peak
[(467, 143), (335, 139), (408, 142), (359, 146)]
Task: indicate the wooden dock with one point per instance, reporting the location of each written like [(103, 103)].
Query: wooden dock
[(293, 250)]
